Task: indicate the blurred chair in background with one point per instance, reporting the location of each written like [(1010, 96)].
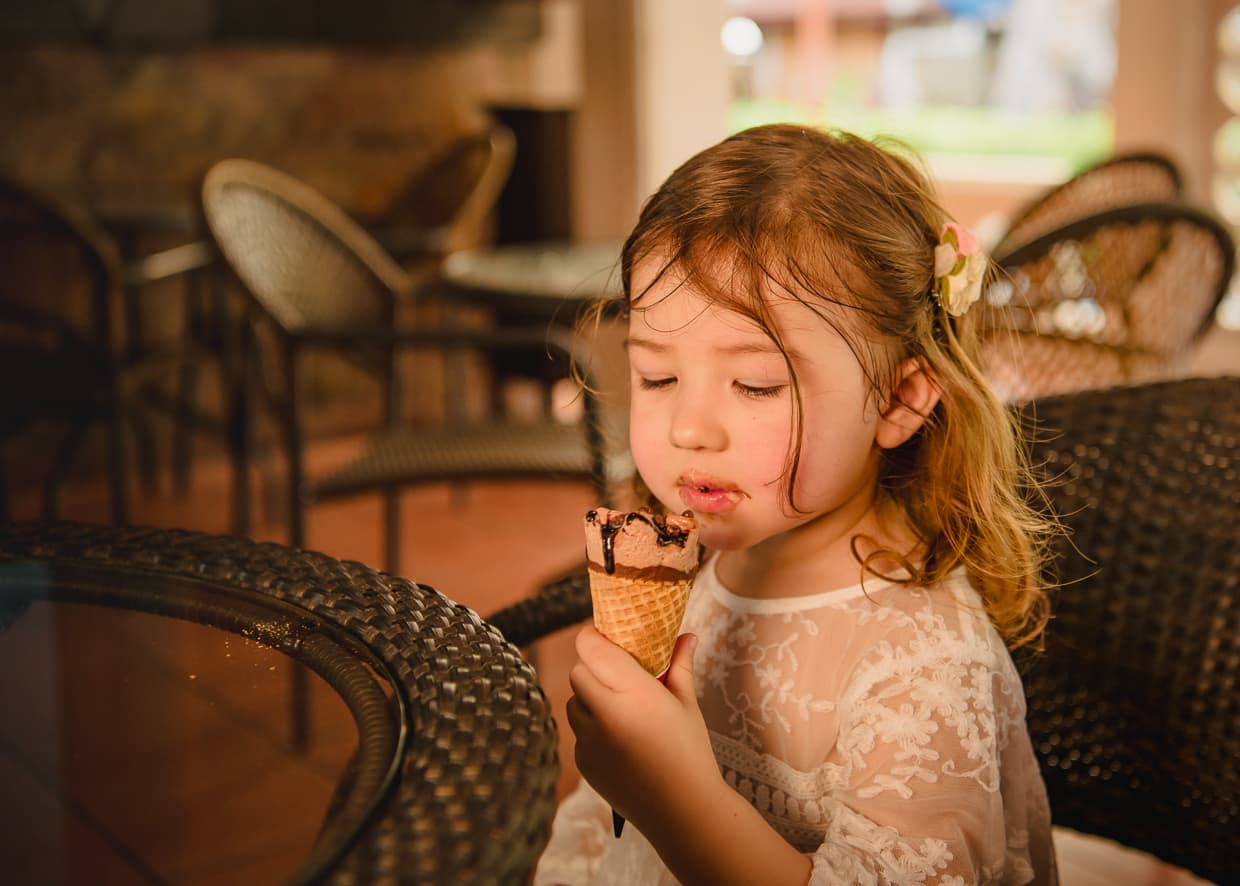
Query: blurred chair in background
[(1121, 296), (207, 333), (1122, 180), (447, 205), (62, 281), (64, 356), (69, 352), (317, 282)]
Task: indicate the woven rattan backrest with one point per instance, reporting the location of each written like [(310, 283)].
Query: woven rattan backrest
[(57, 261), (1119, 181), (300, 256), (1134, 707), (460, 184), (1119, 297), (59, 284)]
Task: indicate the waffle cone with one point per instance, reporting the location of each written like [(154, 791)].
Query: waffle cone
[(641, 616)]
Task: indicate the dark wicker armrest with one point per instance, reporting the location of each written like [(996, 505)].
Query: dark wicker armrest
[(557, 605)]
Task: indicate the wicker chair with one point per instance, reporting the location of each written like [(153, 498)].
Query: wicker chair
[(316, 280), (1134, 707), (1120, 297), (444, 208), (446, 205), (1118, 181), (62, 282)]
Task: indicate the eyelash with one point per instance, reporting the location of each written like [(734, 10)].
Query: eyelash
[(760, 393), (658, 384)]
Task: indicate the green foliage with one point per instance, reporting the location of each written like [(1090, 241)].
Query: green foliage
[(1077, 138)]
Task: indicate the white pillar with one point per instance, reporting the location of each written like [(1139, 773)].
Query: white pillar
[(683, 84), (656, 92), (1164, 93)]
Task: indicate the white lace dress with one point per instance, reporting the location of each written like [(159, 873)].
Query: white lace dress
[(879, 730)]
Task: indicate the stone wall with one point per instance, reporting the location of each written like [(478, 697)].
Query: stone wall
[(108, 126)]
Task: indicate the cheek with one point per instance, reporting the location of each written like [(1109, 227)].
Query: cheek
[(643, 442), (814, 477), (830, 460), (767, 450)]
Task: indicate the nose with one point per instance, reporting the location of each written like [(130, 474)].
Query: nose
[(696, 424)]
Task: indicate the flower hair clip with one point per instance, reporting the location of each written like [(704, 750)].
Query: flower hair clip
[(959, 267)]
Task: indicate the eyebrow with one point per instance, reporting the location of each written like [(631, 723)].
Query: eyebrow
[(735, 350)]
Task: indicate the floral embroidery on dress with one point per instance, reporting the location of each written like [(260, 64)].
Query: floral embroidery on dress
[(905, 694), (729, 645)]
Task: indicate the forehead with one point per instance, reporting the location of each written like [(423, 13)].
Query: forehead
[(666, 300)]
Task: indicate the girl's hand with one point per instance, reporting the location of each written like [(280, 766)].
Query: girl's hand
[(643, 746)]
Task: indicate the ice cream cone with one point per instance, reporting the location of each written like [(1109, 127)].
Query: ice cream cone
[(641, 570), (642, 617)]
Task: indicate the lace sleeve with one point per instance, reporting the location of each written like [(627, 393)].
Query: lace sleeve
[(921, 749), (579, 835)]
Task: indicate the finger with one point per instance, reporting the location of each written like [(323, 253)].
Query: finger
[(610, 664), (587, 687), (580, 718), (680, 678)]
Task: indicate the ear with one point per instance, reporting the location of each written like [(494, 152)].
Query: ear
[(911, 402)]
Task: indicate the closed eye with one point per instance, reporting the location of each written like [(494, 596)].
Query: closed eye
[(655, 384), (759, 393)]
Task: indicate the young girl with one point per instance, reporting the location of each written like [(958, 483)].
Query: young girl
[(842, 706)]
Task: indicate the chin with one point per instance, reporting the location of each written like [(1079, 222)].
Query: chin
[(721, 538)]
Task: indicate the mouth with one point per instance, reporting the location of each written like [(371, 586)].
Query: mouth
[(708, 495)]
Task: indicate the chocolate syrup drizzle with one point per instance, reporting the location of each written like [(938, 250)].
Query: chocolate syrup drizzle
[(665, 534)]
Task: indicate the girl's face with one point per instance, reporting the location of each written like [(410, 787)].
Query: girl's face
[(711, 424)]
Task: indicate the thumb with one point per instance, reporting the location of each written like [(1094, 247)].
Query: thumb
[(680, 671)]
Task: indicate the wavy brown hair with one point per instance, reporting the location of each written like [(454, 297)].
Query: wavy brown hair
[(848, 227)]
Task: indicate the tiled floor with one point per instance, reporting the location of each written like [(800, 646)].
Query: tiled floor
[(486, 546)]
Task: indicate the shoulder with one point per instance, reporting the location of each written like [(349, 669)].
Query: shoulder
[(950, 611), (940, 633)]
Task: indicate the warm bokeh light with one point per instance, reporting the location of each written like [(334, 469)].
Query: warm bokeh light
[(1229, 33), (741, 36)]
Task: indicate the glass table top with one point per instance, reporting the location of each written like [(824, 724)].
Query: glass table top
[(138, 748), (530, 273)]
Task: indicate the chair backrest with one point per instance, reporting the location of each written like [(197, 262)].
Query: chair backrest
[(1119, 181), (61, 281), (302, 259), (1118, 297), (458, 187), (1134, 707), (46, 243)]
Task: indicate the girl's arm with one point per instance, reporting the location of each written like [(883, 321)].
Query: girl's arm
[(646, 750), (722, 839)]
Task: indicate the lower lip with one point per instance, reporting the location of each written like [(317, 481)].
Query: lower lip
[(709, 501)]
